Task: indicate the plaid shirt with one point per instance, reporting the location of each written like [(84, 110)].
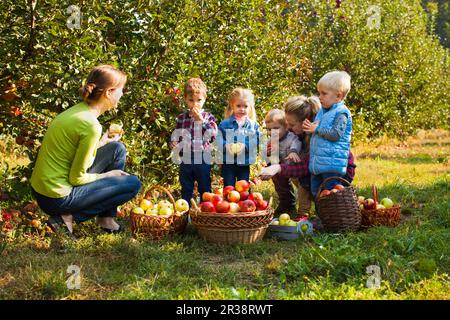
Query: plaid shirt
[(201, 134), (300, 170)]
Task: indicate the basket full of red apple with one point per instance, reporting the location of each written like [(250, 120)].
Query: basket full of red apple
[(156, 218), (232, 215), (378, 213), (338, 208)]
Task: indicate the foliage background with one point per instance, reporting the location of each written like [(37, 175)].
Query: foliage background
[(277, 48)]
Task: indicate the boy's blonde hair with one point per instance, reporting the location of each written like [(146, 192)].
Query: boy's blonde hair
[(241, 93), (195, 86), (338, 81), (276, 116)]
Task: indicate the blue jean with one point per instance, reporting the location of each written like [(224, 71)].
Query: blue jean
[(316, 181), (189, 173), (98, 198), (233, 172)]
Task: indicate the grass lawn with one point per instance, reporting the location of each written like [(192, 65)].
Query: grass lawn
[(413, 257)]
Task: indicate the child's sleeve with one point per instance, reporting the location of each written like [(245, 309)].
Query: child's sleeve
[(296, 145), (336, 131), (210, 127)]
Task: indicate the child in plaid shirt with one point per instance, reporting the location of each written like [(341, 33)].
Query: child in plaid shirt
[(298, 109), (194, 132)]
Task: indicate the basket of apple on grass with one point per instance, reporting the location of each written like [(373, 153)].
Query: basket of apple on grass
[(232, 215), (284, 228), (156, 218), (378, 213), (338, 208)]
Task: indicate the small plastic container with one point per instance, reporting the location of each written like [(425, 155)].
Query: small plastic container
[(290, 233)]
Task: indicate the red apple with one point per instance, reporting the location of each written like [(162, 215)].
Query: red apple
[(256, 196), (262, 205), (227, 190), (247, 206), (324, 193), (207, 206), (216, 198), (242, 185), (339, 187), (370, 204), (233, 196), (244, 195), (223, 206), (207, 196), (334, 190)]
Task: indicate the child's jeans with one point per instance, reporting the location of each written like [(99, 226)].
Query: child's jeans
[(285, 191), (189, 173), (316, 181), (100, 197), (233, 172)]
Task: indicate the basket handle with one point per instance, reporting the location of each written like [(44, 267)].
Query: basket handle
[(375, 193), (160, 188), (328, 179)]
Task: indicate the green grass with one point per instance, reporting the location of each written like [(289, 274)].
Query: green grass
[(413, 257)]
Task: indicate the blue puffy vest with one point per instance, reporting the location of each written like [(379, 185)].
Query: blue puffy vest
[(330, 156)]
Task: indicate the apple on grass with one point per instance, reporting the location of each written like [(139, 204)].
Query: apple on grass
[(181, 205)]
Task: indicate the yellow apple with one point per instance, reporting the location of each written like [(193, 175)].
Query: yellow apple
[(181, 205), (275, 223), (165, 211), (234, 207), (114, 129), (152, 211), (284, 217), (291, 223), (146, 204), (138, 210)]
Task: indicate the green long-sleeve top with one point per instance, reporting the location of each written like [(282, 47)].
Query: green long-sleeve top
[(67, 151)]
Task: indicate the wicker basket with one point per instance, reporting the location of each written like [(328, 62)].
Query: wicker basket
[(380, 217), (339, 211), (229, 228), (157, 227)]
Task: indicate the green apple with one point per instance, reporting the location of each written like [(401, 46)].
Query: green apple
[(291, 223), (285, 217), (387, 203), (165, 211), (152, 211), (304, 227), (163, 204), (138, 210), (181, 205)]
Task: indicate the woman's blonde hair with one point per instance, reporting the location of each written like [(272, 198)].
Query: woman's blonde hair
[(100, 79), (302, 107), (241, 93)]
